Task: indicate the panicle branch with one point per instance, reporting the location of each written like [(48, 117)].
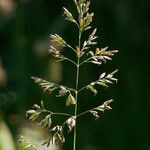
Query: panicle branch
[(104, 80), (46, 122), (95, 111)]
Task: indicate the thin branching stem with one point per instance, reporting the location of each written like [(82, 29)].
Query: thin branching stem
[(86, 86), (56, 113), (69, 46), (85, 61), (76, 23), (85, 112), (71, 61), (63, 114), (82, 89)]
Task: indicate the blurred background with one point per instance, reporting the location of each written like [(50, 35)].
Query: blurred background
[(25, 26)]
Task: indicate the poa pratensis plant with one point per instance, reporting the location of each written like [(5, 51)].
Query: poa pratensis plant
[(84, 55)]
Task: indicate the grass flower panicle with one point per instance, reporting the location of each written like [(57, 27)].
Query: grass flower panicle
[(99, 56)]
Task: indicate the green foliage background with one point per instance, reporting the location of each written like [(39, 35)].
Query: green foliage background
[(123, 25)]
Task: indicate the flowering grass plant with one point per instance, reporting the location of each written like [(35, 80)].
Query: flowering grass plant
[(84, 54)]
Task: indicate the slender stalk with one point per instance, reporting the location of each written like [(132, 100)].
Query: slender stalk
[(82, 89), (84, 113), (76, 96), (76, 105), (85, 61), (63, 114), (71, 47), (55, 113), (80, 34), (71, 61)]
